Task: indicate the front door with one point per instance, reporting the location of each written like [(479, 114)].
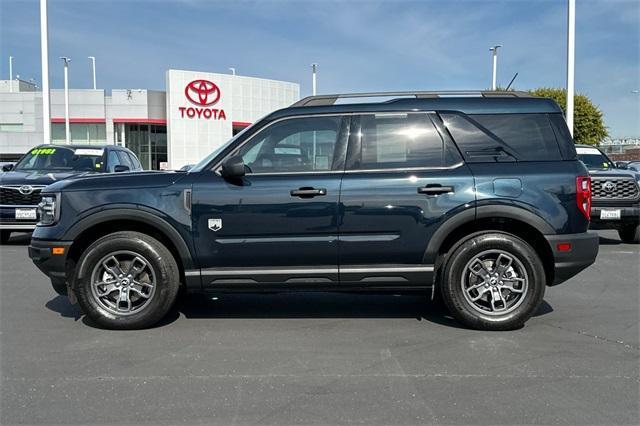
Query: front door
[(403, 179), (278, 224)]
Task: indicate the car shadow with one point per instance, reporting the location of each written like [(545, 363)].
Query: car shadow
[(609, 241), (19, 239), (295, 305)]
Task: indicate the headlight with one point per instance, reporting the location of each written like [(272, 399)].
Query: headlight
[(49, 209)]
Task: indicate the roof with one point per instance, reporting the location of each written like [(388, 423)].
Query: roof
[(483, 104)]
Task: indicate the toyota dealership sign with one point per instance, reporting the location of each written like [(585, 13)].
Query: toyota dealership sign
[(204, 109), (203, 94)]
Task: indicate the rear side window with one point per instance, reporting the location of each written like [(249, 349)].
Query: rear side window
[(396, 141), (134, 161), (500, 137), (124, 160)]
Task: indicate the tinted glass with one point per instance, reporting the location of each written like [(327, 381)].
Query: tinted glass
[(476, 144), (529, 135), (134, 161), (565, 141), (294, 145), (124, 159), (57, 158), (391, 141), (112, 161)]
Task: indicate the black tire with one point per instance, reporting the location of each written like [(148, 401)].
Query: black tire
[(4, 236), (456, 270), (630, 234), (161, 264)]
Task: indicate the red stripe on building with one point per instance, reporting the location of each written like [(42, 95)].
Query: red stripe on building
[(141, 120), (241, 124), (79, 120)]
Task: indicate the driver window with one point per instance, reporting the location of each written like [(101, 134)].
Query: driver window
[(294, 145), (112, 161)]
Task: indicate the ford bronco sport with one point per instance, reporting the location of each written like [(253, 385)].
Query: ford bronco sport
[(478, 196)]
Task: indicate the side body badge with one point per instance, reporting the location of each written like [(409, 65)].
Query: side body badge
[(215, 224)]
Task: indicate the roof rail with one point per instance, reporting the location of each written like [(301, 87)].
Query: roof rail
[(322, 100)]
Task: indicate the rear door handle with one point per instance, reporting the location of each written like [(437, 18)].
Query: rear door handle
[(308, 192), (435, 189)]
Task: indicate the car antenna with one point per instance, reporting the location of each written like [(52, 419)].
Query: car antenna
[(511, 82)]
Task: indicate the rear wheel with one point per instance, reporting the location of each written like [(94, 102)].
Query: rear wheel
[(130, 281), (4, 236), (493, 281), (630, 234)]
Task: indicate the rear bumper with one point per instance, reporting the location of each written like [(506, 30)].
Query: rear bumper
[(53, 265), (568, 263)]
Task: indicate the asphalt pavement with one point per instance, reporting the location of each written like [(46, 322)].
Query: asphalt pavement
[(324, 358)]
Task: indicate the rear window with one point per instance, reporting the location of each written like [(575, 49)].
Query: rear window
[(504, 137)]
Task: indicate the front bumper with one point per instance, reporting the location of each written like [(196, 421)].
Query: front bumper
[(8, 220), (583, 252), (53, 265)]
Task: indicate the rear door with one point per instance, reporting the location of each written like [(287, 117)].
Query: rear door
[(403, 179)]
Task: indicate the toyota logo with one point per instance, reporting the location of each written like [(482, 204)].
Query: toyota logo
[(202, 92), (25, 189), (609, 186)]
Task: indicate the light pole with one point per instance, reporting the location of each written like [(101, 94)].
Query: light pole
[(66, 99), (233, 70), (314, 68), (494, 49), (93, 68), (571, 53), (44, 60), (11, 73)]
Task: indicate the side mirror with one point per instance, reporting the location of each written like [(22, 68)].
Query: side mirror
[(621, 164), (233, 167), (7, 167), (121, 168)]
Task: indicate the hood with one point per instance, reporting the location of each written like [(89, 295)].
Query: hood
[(108, 181), (35, 177), (613, 173)]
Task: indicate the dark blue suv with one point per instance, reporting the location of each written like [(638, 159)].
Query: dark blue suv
[(480, 198)]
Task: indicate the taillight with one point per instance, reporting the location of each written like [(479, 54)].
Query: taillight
[(583, 195)]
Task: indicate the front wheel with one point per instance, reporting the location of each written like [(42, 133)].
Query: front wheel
[(630, 234), (493, 281), (130, 281)]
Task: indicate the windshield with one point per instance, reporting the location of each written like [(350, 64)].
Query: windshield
[(593, 158), (206, 160), (62, 158)]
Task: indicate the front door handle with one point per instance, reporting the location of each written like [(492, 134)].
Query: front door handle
[(307, 192), (435, 189)]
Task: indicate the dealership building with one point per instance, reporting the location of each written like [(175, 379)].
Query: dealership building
[(198, 112)]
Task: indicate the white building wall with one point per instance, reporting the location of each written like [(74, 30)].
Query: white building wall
[(243, 100)]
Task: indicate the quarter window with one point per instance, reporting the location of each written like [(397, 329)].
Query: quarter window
[(112, 161), (294, 145)]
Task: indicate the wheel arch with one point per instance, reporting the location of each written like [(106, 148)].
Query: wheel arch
[(99, 224), (513, 220)]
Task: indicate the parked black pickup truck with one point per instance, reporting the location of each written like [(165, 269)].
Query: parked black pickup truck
[(616, 195)]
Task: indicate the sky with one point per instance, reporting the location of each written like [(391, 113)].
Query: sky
[(359, 45)]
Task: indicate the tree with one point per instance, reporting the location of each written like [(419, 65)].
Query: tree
[(588, 121)]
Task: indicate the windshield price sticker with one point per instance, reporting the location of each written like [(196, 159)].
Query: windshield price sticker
[(43, 151), (89, 151)]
